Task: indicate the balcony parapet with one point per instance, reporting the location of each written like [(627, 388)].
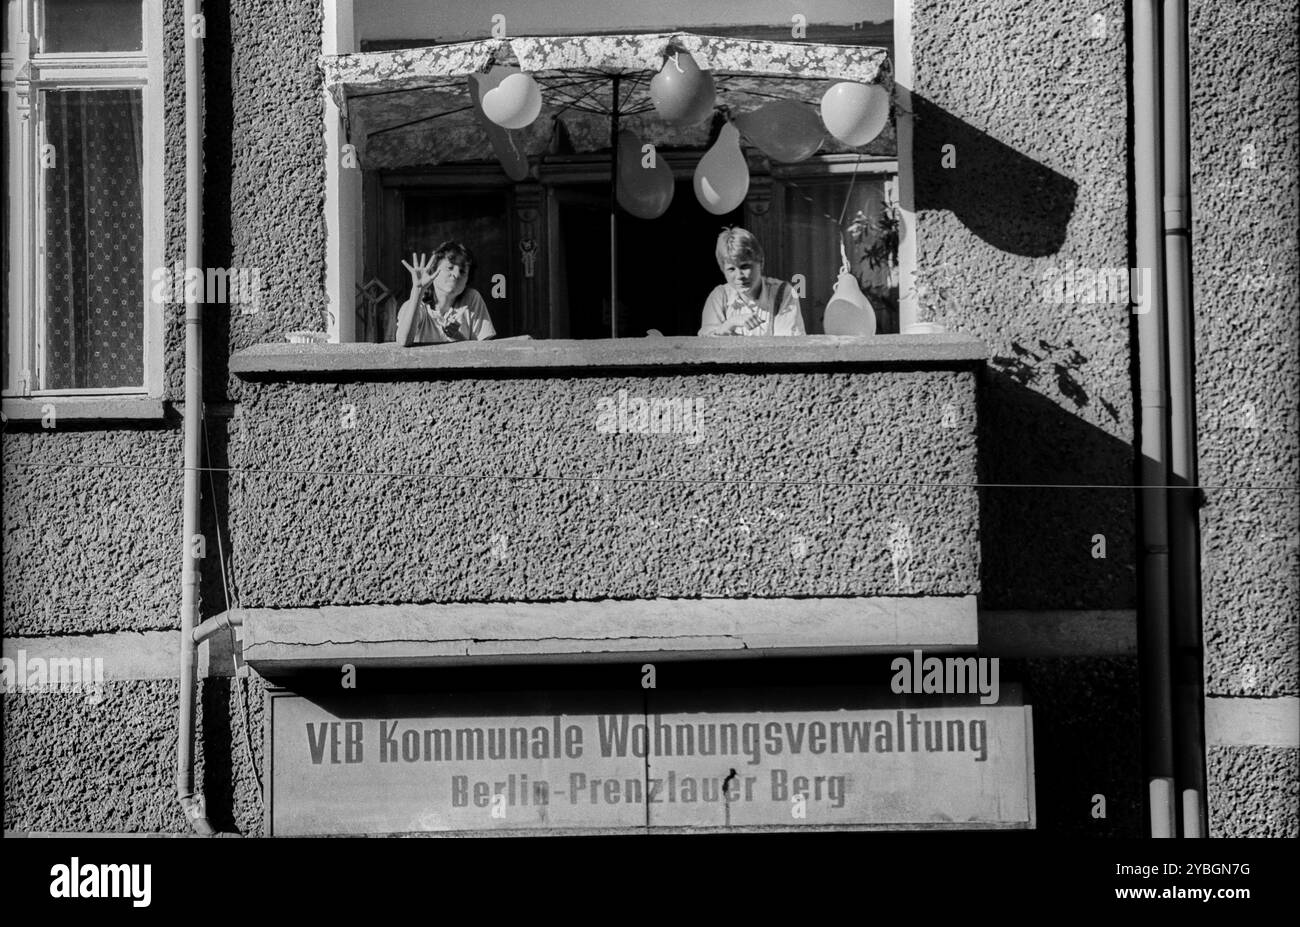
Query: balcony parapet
[(269, 361), (578, 471)]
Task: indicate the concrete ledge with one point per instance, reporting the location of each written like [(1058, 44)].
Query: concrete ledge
[(1252, 722), (1096, 633), (103, 835), (108, 409), (269, 360), (286, 640)]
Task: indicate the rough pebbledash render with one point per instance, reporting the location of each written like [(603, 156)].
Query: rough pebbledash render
[(97, 550), (1033, 100), (1245, 209)]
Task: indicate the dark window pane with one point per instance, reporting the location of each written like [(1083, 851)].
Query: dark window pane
[(94, 240), (666, 266), (481, 223), (93, 26), (812, 211)]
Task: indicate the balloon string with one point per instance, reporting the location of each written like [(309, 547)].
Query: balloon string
[(849, 196), (838, 223), (675, 64)]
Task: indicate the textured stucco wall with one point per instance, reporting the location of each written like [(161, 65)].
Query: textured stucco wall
[(1254, 791), (264, 187), (504, 489), (264, 175), (173, 191), (1245, 131), (1033, 99), (110, 766), (92, 526), (93, 546)]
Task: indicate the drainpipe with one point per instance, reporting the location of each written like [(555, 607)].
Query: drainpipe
[(224, 621), (613, 213), (191, 803), (1189, 735), (1153, 629)]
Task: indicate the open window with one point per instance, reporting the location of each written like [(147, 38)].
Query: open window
[(543, 241)]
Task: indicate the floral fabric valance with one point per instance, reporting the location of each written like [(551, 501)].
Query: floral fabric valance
[(412, 106)]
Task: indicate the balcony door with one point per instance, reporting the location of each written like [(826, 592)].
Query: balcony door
[(666, 266)]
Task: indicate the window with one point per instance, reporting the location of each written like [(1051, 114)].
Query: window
[(556, 222), (414, 214), (839, 201), (83, 219)]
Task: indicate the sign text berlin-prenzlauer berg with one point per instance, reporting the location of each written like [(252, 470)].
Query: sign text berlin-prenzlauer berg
[(402, 763)]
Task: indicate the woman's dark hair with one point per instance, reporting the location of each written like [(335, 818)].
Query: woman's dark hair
[(458, 254)]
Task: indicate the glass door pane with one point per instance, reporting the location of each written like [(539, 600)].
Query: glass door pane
[(479, 221)]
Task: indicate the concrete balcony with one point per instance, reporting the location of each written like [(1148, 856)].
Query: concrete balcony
[(641, 470)]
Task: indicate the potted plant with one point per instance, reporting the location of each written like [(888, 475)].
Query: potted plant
[(877, 241), (935, 288)]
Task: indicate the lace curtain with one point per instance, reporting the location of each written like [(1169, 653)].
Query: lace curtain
[(94, 240)]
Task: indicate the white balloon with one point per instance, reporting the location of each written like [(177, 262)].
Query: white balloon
[(722, 176), (513, 158), (514, 103), (849, 312), (855, 113)]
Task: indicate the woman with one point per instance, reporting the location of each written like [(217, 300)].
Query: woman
[(749, 303), (442, 307)]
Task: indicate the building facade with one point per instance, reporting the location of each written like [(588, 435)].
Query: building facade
[(524, 527)]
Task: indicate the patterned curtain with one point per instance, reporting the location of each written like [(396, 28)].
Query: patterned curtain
[(94, 240)]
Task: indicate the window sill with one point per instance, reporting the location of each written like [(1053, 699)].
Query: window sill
[(270, 361), (82, 408)]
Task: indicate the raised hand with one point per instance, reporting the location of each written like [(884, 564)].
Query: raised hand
[(421, 272)]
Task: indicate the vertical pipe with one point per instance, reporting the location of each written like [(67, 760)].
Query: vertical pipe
[(190, 802), (908, 302), (1189, 767), (613, 212), (342, 190), (1153, 631)]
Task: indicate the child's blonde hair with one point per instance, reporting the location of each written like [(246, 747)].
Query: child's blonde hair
[(736, 245)]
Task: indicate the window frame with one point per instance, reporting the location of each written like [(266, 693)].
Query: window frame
[(28, 74)]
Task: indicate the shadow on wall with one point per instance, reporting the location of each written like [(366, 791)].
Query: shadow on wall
[(1009, 200), (1057, 518), (1043, 543), (1042, 546), (1087, 745)]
